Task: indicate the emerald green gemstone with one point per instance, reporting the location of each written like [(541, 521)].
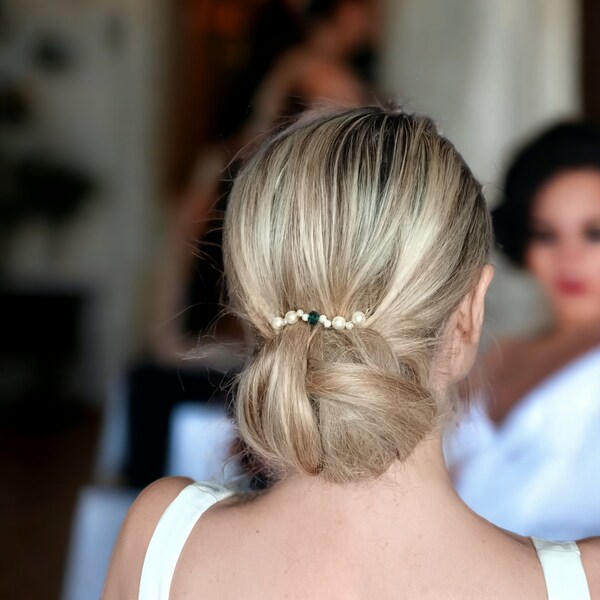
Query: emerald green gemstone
[(313, 317)]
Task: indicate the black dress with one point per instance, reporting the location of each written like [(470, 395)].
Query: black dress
[(154, 389)]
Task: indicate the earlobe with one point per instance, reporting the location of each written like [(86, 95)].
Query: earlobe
[(478, 300), (470, 314), (467, 324)]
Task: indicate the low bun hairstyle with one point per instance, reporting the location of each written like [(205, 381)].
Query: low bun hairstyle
[(364, 209)]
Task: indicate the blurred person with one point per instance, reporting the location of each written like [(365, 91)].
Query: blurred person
[(188, 315), (320, 68), (189, 287), (357, 255), (188, 295), (527, 456), (276, 26)]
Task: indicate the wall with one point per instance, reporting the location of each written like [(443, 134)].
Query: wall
[(491, 73), (103, 115)]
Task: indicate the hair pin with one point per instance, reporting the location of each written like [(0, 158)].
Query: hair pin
[(358, 319)]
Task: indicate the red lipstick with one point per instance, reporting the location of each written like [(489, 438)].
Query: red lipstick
[(570, 287)]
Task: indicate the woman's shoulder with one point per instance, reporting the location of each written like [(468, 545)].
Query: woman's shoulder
[(136, 532), (151, 504)]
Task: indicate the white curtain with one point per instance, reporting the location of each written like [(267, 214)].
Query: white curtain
[(490, 72)]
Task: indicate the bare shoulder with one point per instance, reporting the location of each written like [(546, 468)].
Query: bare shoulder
[(590, 557), (152, 502), (123, 577)]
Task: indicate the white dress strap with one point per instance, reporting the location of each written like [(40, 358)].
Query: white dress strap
[(563, 570), (170, 535)]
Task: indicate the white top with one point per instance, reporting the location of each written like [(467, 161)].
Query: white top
[(538, 472), (561, 561), (563, 571), (171, 533)]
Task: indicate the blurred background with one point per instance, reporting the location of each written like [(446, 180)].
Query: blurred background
[(120, 127)]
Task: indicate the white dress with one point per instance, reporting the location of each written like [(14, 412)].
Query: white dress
[(538, 473), (561, 562)]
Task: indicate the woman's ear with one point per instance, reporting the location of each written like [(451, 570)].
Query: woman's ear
[(467, 323), (472, 311)]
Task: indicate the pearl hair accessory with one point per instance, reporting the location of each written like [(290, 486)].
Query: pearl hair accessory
[(313, 318)]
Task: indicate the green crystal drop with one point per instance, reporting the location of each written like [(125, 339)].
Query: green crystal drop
[(313, 317)]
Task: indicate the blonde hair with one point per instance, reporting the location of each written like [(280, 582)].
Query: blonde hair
[(364, 209)]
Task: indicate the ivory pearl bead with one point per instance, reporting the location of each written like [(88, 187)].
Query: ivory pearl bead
[(338, 322), (299, 312), (305, 317), (322, 319), (358, 318), (327, 323), (349, 325), (291, 317), (277, 322)]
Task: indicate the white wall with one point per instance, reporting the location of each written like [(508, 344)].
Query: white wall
[(491, 73), (104, 115)]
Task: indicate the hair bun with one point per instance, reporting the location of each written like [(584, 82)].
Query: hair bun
[(335, 403), (371, 408)]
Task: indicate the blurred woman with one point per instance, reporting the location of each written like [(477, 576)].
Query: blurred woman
[(320, 68), (356, 250), (529, 458)]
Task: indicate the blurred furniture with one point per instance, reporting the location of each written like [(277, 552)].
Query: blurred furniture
[(201, 439), (98, 518), (112, 445), (201, 436), (42, 354)]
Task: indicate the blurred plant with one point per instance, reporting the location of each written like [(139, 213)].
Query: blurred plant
[(38, 187), (14, 110), (51, 53), (35, 186)]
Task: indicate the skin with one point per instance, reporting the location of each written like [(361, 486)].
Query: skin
[(406, 532), (565, 247), (317, 70), (564, 257)]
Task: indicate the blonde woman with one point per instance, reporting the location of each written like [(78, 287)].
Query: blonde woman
[(356, 252)]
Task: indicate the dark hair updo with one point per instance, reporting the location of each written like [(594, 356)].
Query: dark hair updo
[(566, 146)]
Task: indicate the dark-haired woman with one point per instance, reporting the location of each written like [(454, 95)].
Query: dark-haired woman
[(529, 458)]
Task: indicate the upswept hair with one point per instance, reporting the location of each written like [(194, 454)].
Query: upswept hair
[(364, 209)]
